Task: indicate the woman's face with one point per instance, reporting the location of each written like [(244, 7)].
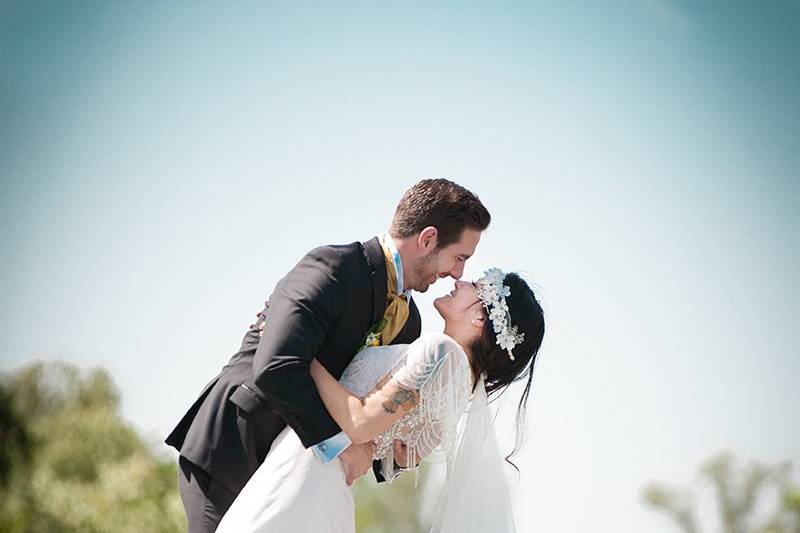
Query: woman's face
[(459, 304)]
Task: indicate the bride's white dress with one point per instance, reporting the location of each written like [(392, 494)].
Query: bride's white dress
[(293, 491)]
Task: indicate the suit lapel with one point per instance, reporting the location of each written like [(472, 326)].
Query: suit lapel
[(374, 254)]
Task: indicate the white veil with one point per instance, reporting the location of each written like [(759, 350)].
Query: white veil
[(475, 496)]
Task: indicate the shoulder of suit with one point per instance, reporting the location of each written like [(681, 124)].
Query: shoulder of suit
[(337, 253)]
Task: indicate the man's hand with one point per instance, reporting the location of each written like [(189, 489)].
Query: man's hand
[(260, 324), (357, 460), (401, 455)]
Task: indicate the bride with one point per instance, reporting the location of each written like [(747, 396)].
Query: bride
[(417, 393)]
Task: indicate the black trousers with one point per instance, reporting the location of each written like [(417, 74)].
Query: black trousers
[(204, 498)]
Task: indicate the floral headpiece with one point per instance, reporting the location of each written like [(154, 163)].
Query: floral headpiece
[(493, 294)]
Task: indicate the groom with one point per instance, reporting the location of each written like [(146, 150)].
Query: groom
[(324, 308)]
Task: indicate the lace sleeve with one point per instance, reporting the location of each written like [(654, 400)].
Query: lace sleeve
[(430, 358), (438, 368)]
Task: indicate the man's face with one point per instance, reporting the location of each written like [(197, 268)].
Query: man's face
[(447, 261)]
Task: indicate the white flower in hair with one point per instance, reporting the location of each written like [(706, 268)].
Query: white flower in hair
[(494, 276), (490, 293), (497, 314), (505, 342), (493, 294)]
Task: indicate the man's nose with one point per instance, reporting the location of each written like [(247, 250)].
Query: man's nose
[(457, 271)]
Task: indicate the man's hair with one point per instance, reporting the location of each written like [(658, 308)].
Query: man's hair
[(440, 203)]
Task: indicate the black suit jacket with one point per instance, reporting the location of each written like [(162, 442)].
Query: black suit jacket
[(322, 309)]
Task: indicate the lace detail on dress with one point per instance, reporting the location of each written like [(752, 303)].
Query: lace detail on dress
[(438, 368), (370, 365)]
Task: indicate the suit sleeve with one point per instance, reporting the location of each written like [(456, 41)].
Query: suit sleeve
[(302, 310)]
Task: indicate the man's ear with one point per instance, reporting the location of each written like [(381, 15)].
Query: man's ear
[(428, 239)]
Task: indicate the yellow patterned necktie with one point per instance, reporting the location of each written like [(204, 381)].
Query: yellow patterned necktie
[(396, 312)]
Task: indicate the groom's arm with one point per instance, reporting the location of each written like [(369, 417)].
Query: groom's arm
[(302, 310)]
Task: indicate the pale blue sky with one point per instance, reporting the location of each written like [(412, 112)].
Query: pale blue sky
[(162, 166)]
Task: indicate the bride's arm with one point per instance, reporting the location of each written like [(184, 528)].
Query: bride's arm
[(362, 420)]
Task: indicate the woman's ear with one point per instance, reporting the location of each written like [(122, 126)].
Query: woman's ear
[(479, 318)]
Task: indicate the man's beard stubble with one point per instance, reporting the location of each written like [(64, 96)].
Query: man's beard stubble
[(423, 270)]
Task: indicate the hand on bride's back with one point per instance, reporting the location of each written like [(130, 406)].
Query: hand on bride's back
[(357, 460)]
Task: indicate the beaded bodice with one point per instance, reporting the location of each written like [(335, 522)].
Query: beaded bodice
[(434, 365)]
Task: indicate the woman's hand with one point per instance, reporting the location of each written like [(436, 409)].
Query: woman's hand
[(401, 455)]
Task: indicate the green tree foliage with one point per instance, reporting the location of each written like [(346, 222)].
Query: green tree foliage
[(69, 463), (15, 438), (72, 463), (384, 507), (740, 492)]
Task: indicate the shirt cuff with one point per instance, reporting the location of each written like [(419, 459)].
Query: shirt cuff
[(329, 449)]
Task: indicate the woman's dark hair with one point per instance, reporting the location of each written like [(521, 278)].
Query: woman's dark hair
[(527, 315), (440, 203)]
